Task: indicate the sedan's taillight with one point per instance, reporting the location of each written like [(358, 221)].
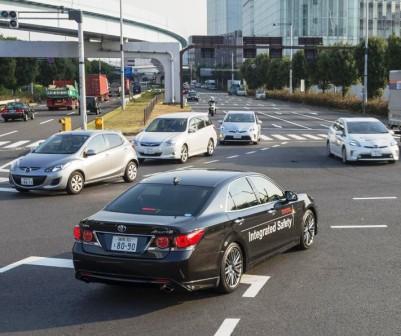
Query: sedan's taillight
[(19, 110), (77, 233), (162, 242), (87, 236), (189, 239)]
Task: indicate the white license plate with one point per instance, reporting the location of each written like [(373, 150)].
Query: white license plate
[(27, 181), (149, 151), (376, 153), (237, 136), (11, 111), (124, 244)]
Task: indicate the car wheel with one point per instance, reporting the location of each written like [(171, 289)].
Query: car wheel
[(328, 149), (210, 148), (308, 230), (21, 190), (25, 117), (231, 269), (5, 119), (32, 116), (344, 155), (75, 183), (184, 154), (131, 171)]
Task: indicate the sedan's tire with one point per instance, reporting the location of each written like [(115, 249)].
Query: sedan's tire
[(75, 183), (25, 117), (231, 269), (308, 230), (21, 190), (184, 154), (210, 148), (344, 157), (32, 116), (131, 172), (5, 119), (328, 149)]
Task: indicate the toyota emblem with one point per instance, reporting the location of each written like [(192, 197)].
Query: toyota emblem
[(121, 228)]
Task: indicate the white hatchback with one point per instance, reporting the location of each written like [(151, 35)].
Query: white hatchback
[(361, 139), (176, 136)]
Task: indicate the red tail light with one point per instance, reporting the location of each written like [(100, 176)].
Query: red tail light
[(19, 110), (4, 109), (162, 242), (87, 235), (190, 239), (77, 232)]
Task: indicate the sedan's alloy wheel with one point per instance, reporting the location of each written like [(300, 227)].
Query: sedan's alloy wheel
[(309, 229), (184, 154), (344, 155), (75, 183), (130, 172), (210, 148), (233, 267)]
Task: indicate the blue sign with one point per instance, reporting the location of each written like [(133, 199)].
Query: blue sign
[(128, 72)]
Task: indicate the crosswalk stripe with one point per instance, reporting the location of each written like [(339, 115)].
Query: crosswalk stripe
[(311, 137), (17, 144), (3, 179), (296, 137), (2, 143), (322, 135), (280, 137), (34, 144), (264, 137)]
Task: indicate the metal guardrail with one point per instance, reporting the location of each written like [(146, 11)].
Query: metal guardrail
[(148, 109)]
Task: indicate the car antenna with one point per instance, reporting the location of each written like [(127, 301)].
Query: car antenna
[(176, 180)]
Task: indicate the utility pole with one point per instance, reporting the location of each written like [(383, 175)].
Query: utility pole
[(122, 57), (232, 65), (82, 84), (365, 75), (291, 54)]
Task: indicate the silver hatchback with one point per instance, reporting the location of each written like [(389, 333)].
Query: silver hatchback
[(70, 160)]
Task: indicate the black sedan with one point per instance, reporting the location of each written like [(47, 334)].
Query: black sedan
[(17, 110), (192, 229)]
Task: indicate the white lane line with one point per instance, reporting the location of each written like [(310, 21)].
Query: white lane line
[(232, 157), (35, 144), (11, 190), (316, 118), (246, 108), (276, 108), (264, 137), (2, 143), (374, 198), (275, 146), (183, 168), (1, 135), (313, 137), (3, 179), (324, 125), (287, 121), (277, 126), (264, 149), (8, 164), (279, 137), (70, 113), (40, 261), (284, 143), (249, 153), (278, 113), (322, 135), (47, 121), (227, 327), (17, 144), (256, 281), (296, 137), (213, 161), (359, 226)]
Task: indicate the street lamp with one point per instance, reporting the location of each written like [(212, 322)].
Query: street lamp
[(122, 95), (291, 51), (365, 75)]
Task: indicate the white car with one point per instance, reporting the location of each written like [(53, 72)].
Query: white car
[(176, 136), (361, 139), (241, 91), (243, 126), (260, 94)]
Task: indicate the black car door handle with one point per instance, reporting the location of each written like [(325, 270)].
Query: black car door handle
[(239, 221)]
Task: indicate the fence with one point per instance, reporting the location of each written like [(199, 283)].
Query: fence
[(148, 109)]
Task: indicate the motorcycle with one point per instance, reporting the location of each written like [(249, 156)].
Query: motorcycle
[(212, 109)]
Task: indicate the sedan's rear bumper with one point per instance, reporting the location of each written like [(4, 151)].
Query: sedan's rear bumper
[(16, 115)]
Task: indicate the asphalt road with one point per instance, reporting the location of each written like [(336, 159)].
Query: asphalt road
[(347, 284)]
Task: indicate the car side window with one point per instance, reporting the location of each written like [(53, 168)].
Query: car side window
[(193, 125), (201, 124), (208, 122), (266, 191), (114, 140), (97, 144), (240, 195)]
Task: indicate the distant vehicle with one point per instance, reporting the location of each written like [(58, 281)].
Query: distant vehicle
[(70, 160), (136, 89), (115, 89), (97, 86), (241, 91), (233, 86), (93, 105), (17, 110), (62, 94), (185, 91), (394, 116), (361, 139), (177, 136), (260, 94), (241, 126), (211, 84), (198, 85), (192, 229), (193, 96)]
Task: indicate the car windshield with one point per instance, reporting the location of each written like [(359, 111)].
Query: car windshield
[(192, 94), (15, 106), (167, 125), (62, 144), (240, 118), (162, 200), (366, 127)]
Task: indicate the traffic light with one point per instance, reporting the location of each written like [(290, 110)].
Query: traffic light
[(12, 17)]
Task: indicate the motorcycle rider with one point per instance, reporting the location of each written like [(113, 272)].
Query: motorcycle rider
[(212, 106)]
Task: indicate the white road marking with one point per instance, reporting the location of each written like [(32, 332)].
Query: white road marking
[(213, 161), (246, 107), (2, 143), (232, 157), (249, 153), (264, 149), (227, 327), (358, 226), (183, 168), (1, 135), (313, 137), (264, 137), (374, 198), (17, 144), (11, 190), (276, 108), (69, 113), (316, 118), (40, 261), (35, 144), (3, 179), (256, 281), (277, 126), (322, 135), (8, 164), (47, 121), (284, 143), (278, 113), (296, 137), (324, 125), (279, 137), (275, 146), (287, 121)]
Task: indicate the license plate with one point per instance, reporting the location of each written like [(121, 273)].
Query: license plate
[(26, 181), (11, 111), (124, 244), (149, 151), (237, 136), (376, 153)]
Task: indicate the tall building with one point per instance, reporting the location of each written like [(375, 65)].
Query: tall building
[(223, 16), (334, 20)]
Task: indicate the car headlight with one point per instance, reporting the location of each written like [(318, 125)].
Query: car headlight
[(355, 143), (56, 168), (14, 165), (170, 142), (252, 129), (135, 142), (393, 143), (221, 128)]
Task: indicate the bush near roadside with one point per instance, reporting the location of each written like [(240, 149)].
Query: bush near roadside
[(375, 106)]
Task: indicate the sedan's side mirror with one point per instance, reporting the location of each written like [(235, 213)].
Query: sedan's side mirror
[(191, 130), (260, 122), (89, 152), (290, 196), (340, 133), (220, 122)]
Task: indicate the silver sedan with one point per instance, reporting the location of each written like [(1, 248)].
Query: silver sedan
[(70, 160)]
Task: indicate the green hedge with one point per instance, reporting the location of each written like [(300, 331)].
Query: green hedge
[(332, 100)]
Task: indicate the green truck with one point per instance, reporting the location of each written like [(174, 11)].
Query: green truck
[(62, 94)]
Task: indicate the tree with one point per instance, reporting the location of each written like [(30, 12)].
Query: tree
[(26, 71), (247, 71), (278, 73), (320, 70), (393, 53), (377, 70), (300, 69), (342, 68), (7, 71)]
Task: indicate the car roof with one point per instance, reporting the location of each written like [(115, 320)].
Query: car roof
[(359, 119), (182, 115), (197, 177), (241, 112)]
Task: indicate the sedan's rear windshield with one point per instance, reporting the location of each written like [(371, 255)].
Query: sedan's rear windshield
[(366, 127), (167, 125), (15, 105), (62, 144), (162, 200), (240, 117)]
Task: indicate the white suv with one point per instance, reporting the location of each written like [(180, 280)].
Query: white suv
[(177, 136)]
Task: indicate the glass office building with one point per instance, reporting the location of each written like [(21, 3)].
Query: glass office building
[(223, 16), (334, 20)]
